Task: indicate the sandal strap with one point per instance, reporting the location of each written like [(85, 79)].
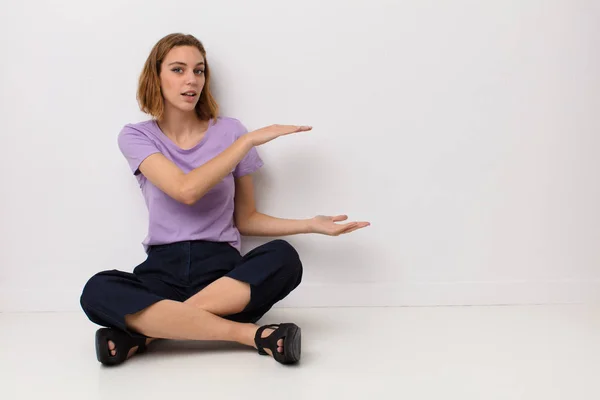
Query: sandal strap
[(267, 342), (141, 346), (123, 343)]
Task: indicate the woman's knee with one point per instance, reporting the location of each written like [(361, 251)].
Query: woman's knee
[(96, 287), (292, 265), (288, 253)]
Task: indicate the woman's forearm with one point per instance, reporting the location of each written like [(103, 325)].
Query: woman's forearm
[(258, 224)]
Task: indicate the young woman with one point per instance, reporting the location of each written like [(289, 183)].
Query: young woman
[(194, 169)]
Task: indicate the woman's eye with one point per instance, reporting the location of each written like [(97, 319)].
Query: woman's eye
[(198, 71)]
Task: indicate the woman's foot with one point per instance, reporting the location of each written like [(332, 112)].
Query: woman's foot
[(266, 333), (113, 348), (281, 341)]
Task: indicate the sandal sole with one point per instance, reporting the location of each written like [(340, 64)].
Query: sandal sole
[(102, 351), (294, 350)]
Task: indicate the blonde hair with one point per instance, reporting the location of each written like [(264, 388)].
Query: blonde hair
[(149, 95)]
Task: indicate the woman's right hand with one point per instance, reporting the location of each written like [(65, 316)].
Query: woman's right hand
[(268, 133)]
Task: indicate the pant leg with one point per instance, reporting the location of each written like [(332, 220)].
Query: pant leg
[(111, 295), (273, 270)]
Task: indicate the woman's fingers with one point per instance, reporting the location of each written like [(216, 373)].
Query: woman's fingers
[(338, 218), (292, 128), (343, 228), (355, 226)]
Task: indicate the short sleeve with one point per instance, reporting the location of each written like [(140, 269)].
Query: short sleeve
[(136, 147), (251, 162)]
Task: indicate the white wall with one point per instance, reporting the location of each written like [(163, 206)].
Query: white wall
[(466, 132)]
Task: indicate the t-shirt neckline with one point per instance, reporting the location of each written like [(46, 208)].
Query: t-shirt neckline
[(175, 146)]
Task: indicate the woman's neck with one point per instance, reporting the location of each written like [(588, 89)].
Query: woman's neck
[(181, 125)]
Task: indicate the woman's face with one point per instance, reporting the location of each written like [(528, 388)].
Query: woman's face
[(182, 77)]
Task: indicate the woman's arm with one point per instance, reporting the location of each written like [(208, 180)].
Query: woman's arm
[(252, 223), (189, 188)]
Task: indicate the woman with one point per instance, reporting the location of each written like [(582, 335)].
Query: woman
[(194, 284)]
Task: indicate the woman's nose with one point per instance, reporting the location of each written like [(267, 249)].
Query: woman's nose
[(190, 77)]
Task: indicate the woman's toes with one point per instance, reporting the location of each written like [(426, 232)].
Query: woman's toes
[(111, 347), (266, 333)]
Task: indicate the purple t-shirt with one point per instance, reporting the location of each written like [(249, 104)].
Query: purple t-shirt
[(211, 217)]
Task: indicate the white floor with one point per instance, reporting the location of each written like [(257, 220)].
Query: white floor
[(534, 352)]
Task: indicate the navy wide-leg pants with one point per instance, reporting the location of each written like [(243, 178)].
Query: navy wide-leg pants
[(177, 271)]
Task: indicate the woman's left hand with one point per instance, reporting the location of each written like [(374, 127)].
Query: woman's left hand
[(326, 225)]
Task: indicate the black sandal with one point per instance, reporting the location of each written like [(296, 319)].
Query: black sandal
[(291, 335), (123, 343)]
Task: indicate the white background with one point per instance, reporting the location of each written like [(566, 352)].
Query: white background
[(466, 132)]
